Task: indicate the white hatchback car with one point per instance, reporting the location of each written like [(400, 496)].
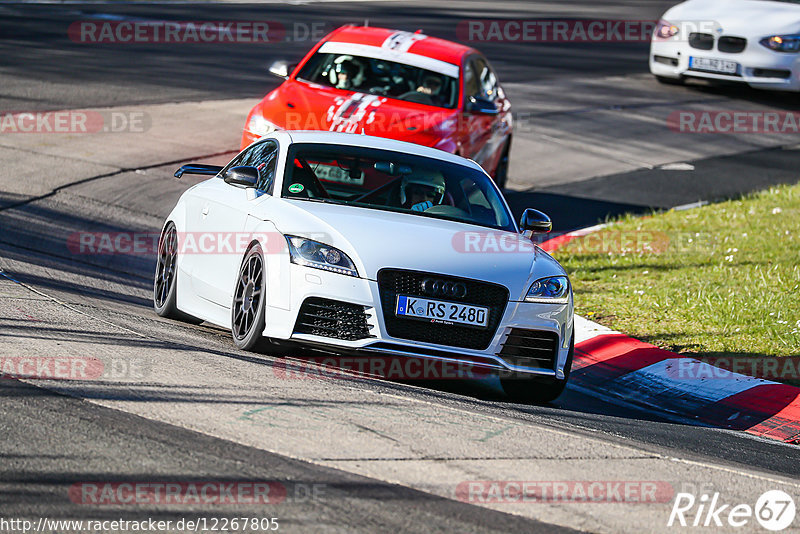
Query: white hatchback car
[(365, 245), (751, 41)]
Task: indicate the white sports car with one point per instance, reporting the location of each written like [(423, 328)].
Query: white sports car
[(365, 245), (751, 41)]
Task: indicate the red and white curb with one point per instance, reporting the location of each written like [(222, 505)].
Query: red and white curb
[(612, 364)]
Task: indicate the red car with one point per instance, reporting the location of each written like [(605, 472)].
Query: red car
[(395, 84)]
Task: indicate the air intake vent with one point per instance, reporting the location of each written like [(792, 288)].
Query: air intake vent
[(332, 318), (530, 348)]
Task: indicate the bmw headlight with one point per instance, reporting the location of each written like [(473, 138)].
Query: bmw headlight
[(552, 290), (317, 255), (260, 126), (782, 43)]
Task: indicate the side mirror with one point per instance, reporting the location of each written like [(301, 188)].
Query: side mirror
[(535, 221), (482, 106), (246, 176), (198, 168), (281, 69)]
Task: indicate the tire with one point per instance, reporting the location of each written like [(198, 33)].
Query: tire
[(501, 171), (670, 81), (165, 280), (535, 390), (249, 303)]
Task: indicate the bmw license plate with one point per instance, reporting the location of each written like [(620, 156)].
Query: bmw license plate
[(713, 65), (439, 311)]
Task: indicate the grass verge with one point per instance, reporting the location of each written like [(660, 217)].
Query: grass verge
[(718, 281)]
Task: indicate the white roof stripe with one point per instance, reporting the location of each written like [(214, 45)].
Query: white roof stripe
[(401, 41), (377, 52)]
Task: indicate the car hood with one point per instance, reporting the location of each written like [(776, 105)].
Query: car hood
[(301, 106), (748, 18), (377, 239)]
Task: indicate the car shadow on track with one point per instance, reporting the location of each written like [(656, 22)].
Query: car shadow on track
[(569, 212)]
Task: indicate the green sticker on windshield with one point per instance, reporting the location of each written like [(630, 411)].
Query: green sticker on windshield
[(296, 188)]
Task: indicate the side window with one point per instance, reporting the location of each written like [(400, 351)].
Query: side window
[(264, 157), (487, 81), (471, 85)]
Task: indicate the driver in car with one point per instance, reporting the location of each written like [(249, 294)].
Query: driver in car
[(431, 86), (419, 192), (346, 72)]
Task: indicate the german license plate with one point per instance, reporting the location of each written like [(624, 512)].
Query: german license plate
[(714, 65), (439, 311)]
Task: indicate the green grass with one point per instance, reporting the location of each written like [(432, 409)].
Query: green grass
[(720, 279)]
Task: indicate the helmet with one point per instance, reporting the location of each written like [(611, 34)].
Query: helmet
[(430, 180), (349, 66), (432, 82)]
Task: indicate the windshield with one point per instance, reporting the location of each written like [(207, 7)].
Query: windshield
[(381, 77), (393, 181)]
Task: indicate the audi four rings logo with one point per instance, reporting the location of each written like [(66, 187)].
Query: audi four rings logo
[(447, 289)]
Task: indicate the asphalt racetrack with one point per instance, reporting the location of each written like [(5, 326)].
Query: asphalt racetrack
[(345, 454)]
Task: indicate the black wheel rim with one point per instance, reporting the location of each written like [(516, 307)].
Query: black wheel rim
[(165, 268), (247, 299)]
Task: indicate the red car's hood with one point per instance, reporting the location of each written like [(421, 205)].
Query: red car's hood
[(300, 106)]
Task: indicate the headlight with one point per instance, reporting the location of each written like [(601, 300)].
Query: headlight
[(259, 125), (665, 30), (552, 290), (310, 253), (782, 43)]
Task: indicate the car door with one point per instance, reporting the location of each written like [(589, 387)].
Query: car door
[(217, 215)]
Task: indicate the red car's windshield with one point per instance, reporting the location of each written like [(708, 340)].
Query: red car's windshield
[(381, 77)]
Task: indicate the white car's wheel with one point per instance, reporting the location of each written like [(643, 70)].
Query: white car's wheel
[(247, 309), (532, 390), (164, 283)]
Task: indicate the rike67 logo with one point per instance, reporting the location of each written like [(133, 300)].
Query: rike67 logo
[(774, 510)]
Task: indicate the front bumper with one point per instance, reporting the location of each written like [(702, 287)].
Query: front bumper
[(759, 66), (555, 320)]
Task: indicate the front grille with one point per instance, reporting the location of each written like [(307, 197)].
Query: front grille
[(530, 348), (393, 282), (731, 45), (332, 318), (701, 41)]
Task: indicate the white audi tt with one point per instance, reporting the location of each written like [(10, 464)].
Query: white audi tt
[(751, 41), (365, 245)]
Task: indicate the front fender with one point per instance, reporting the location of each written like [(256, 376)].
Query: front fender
[(276, 260)]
